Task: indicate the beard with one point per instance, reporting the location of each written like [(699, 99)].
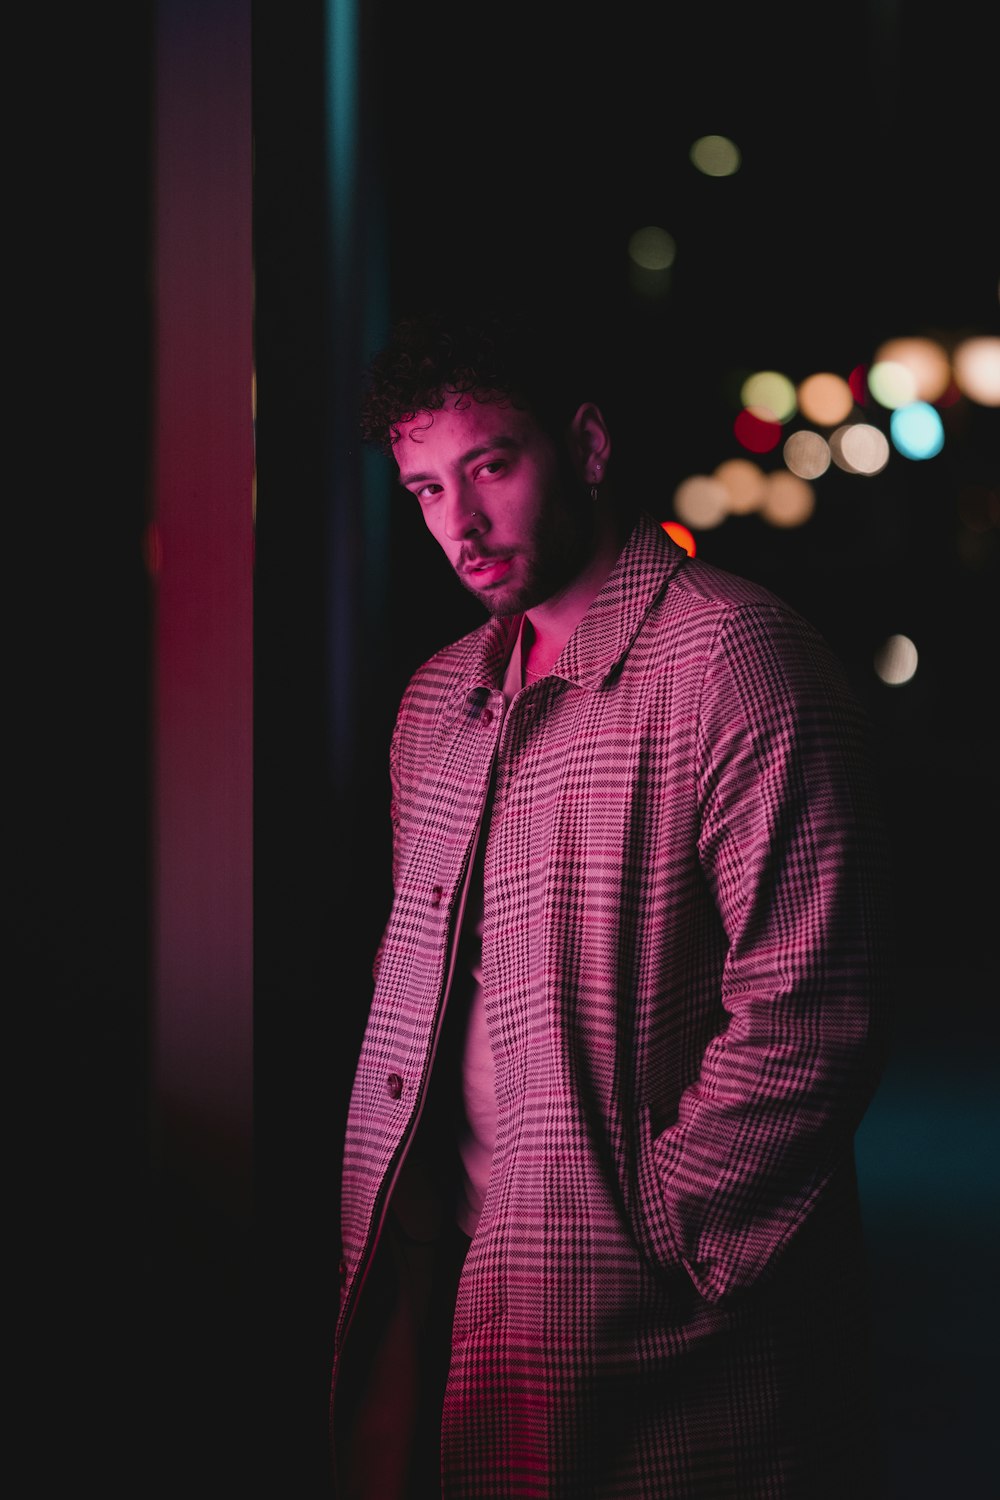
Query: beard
[(554, 554)]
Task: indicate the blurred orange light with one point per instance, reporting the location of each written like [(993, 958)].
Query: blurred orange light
[(788, 500), (744, 482), (701, 501), (925, 359), (825, 399), (680, 535)]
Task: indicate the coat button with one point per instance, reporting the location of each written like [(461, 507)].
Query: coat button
[(436, 893), (487, 716), (394, 1085)]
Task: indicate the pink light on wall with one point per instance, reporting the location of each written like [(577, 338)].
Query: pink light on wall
[(203, 530)]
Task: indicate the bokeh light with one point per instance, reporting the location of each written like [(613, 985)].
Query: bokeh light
[(976, 363), (745, 483), (916, 430), (859, 448), (652, 248), (806, 454), (770, 391), (651, 254), (756, 430), (788, 500), (681, 535), (825, 399), (716, 156), (701, 501), (926, 360), (896, 660), (892, 384)]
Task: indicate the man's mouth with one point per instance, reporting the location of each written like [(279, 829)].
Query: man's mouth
[(486, 570)]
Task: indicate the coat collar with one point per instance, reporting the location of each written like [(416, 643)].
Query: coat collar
[(647, 561)]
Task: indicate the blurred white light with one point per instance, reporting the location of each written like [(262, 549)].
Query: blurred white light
[(895, 660), (716, 156), (976, 363), (916, 430), (701, 502), (860, 448), (807, 454)]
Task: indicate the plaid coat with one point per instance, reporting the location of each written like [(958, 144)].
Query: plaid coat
[(682, 965)]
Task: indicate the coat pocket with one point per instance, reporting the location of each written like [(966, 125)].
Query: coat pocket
[(654, 1233)]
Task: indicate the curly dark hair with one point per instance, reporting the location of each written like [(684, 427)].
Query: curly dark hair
[(496, 354)]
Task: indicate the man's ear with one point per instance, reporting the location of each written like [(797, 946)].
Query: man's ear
[(589, 443)]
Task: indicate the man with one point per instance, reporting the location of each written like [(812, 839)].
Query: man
[(601, 1232)]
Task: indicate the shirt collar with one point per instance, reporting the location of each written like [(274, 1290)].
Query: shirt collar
[(646, 563)]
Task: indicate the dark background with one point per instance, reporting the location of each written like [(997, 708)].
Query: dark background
[(520, 145)]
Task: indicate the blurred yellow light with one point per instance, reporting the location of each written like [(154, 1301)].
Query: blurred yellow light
[(892, 384), (652, 248), (701, 501), (977, 369), (716, 156), (860, 448), (744, 483), (788, 500), (772, 391), (807, 454), (825, 399), (926, 360)]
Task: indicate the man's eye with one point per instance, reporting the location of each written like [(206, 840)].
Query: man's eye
[(427, 492), (491, 469)]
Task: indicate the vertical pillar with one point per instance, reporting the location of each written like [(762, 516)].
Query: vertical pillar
[(201, 552)]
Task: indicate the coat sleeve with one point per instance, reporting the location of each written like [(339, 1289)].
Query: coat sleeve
[(792, 848)]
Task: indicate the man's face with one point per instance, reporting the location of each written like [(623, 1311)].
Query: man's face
[(498, 498)]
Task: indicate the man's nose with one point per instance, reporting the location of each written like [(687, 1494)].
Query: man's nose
[(461, 517)]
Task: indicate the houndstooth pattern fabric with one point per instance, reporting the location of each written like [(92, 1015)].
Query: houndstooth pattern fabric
[(683, 968)]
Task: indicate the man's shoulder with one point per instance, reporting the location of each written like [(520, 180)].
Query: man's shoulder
[(460, 657), (704, 598), (685, 583), (703, 582), (707, 613), (456, 667)]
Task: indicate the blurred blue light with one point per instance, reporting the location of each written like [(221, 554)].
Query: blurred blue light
[(916, 430)]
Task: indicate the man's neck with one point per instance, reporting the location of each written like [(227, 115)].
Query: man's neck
[(548, 626)]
